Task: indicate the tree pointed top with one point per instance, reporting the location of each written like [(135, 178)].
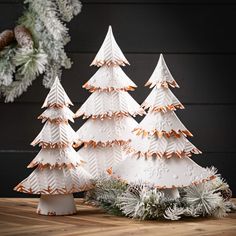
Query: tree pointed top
[(57, 96), (161, 75), (109, 53)]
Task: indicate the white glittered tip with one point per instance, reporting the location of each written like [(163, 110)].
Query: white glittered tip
[(109, 53)]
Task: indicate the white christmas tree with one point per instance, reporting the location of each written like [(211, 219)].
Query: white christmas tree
[(109, 109), (160, 151), (58, 172)]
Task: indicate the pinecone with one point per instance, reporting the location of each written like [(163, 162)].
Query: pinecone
[(23, 36), (6, 38), (226, 194)]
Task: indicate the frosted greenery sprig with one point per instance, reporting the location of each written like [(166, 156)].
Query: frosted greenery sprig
[(30, 62), (141, 201), (68, 9), (20, 66), (7, 67)]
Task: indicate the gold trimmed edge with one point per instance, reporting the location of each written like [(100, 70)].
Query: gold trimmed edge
[(94, 144), (171, 107), (58, 105), (160, 133), (58, 120), (100, 63), (54, 166), (167, 155), (50, 191), (92, 89), (164, 84), (51, 145), (141, 112)]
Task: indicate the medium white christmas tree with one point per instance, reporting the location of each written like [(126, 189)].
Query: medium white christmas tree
[(160, 151), (58, 172), (109, 109)]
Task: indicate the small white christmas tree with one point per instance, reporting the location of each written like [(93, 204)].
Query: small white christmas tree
[(58, 171), (160, 151), (109, 109)]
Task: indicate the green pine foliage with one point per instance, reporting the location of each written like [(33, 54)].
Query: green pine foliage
[(105, 194), (30, 62), (144, 202), (46, 21), (7, 67)]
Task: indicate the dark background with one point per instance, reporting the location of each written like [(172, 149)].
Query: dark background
[(198, 41)]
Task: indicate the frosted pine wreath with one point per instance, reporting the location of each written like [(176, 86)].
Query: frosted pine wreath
[(145, 202), (35, 46)]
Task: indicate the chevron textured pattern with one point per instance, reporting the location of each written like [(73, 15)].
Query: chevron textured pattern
[(59, 169), (161, 99), (59, 158), (109, 109), (161, 75), (109, 53), (159, 151), (102, 104), (98, 160), (106, 130), (163, 147), (55, 134), (57, 96), (161, 123), (109, 78), (55, 181), (57, 114)]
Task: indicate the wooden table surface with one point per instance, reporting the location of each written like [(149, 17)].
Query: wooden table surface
[(18, 217)]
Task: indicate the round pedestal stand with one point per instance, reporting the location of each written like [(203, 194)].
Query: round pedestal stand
[(56, 205)]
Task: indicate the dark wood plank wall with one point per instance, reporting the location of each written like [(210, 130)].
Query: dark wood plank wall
[(199, 43)]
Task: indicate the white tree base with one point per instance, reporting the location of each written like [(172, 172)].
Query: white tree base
[(56, 205), (171, 193)]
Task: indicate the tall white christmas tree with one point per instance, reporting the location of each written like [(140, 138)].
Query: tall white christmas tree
[(58, 172), (109, 109), (160, 151)]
